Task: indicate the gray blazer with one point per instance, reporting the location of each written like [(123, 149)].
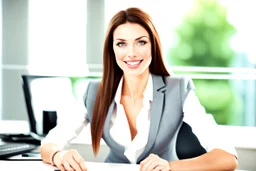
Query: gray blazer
[(165, 117)]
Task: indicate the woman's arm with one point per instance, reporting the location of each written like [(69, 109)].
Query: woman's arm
[(220, 154), (63, 159), (48, 149), (52, 146), (72, 120), (217, 160)]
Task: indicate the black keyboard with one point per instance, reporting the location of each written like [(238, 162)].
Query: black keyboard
[(22, 138), (12, 149)]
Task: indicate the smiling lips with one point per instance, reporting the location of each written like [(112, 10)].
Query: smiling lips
[(133, 64)]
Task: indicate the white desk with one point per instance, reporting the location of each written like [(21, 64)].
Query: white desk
[(40, 166)]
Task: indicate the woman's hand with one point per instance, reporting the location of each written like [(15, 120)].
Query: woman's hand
[(154, 163), (69, 160)]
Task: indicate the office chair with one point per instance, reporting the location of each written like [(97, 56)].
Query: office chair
[(187, 144)]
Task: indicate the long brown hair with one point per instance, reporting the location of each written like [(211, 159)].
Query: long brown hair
[(112, 73)]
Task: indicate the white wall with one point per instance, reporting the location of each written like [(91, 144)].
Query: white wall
[(14, 57)]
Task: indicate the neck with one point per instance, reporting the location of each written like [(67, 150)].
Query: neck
[(134, 86)]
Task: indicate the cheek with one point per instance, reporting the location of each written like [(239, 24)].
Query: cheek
[(145, 52), (119, 54)]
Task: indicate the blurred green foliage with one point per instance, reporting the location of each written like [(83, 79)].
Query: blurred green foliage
[(77, 80), (203, 40)]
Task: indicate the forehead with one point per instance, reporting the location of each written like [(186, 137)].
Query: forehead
[(129, 31)]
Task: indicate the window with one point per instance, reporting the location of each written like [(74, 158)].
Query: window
[(57, 37), (212, 42)]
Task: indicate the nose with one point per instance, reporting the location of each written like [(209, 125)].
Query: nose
[(131, 51)]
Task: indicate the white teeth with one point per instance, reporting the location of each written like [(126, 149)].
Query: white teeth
[(133, 63)]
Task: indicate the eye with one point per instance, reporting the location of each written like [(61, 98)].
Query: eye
[(120, 44), (142, 42)]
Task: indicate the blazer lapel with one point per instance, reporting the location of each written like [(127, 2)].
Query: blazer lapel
[(108, 138), (155, 113)]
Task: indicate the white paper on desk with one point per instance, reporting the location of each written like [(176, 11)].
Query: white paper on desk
[(25, 165), (94, 166), (40, 166)]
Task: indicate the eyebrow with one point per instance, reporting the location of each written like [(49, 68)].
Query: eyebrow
[(135, 39)]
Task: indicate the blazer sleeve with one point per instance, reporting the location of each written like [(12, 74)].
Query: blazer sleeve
[(202, 124)]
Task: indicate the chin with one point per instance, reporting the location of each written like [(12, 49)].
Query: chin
[(134, 73)]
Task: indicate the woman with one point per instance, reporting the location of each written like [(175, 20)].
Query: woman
[(151, 109)]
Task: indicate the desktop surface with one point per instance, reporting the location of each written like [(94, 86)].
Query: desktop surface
[(40, 166)]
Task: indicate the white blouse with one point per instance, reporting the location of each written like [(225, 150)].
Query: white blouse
[(203, 125)]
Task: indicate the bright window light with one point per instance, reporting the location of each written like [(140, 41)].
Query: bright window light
[(57, 36)]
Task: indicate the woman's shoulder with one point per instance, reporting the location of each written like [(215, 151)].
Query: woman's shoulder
[(93, 85), (180, 84), (183, 81), (177, 78), (94, 82)]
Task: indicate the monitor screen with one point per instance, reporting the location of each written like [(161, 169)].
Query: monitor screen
[(46, 95)]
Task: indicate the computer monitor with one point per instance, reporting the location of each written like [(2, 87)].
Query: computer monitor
[(27, 83), (44, 95)]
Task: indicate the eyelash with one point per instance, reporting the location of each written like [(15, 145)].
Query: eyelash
[(120, 44), (141, 42)]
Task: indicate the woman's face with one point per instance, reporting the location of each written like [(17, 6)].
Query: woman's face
[(132, 48)]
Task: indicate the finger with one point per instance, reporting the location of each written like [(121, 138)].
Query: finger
[(148, 165), (144, 166), (145, 160), (61, 167), (67, 166), (154, 164), (73, 164), (80, 161), (151, 156), (166, 169), (159, 168)]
